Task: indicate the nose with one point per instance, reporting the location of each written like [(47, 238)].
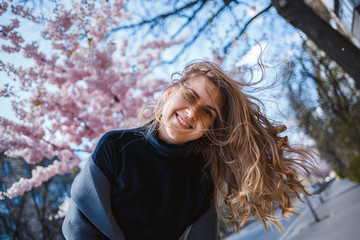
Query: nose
[(191, 112)]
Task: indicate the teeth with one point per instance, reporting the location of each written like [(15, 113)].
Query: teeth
[(182, 122)]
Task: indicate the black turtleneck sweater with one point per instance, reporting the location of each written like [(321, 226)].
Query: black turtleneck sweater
[(158, 189)]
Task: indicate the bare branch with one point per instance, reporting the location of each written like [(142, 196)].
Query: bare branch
[(189, 43), (189, 20), (157, 18), (226, 48)]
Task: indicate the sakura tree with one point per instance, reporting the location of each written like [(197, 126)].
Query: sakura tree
[(82, 82)]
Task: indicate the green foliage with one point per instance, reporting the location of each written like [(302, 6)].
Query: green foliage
[(327, 105), (353, 171)]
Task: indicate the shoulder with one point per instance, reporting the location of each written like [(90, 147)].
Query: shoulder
[(108, 152), (116, 136), (116, 139)]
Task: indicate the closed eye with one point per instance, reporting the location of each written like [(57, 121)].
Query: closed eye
[(190, 97), (208, 112)]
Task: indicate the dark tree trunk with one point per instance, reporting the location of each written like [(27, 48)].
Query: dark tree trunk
[(336, 7), (335, 45)]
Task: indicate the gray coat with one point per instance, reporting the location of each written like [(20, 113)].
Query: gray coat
[(90, 217)]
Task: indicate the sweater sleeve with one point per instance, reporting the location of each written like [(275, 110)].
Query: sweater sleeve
[(90, 214), (105, 156)]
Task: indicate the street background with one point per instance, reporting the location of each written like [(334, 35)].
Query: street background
[(339, 217)]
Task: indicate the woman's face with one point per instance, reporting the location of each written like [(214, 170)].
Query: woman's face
[(188, 114)]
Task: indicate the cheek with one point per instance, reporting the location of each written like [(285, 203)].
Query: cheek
[(171, 105), (201, 129), (167, 109), (165, 114), (198, 134), (205, 122)]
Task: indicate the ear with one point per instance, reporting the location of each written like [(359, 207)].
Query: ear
[(168, 92)]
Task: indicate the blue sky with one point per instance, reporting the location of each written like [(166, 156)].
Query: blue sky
[(278, 44)]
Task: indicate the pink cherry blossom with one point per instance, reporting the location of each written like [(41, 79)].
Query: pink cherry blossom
[(39, 175), (65, 154), (3, 7), (82, 86), (63, 208)]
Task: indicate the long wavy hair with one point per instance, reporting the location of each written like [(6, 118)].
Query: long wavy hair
[(254, 170)]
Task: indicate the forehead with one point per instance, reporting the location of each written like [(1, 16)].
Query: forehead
[(208, 92)]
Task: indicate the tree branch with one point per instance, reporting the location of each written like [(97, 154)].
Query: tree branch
[(226, 48), (189, 43), (157, 18), (189, 20)]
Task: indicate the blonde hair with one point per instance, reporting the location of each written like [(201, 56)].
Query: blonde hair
[(254, 170)]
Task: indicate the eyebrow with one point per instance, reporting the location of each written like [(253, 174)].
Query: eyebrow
[(198, 97)]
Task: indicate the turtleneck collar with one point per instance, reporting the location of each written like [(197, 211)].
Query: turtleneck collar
[(163, 148)]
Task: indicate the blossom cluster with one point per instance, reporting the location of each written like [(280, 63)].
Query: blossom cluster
[(39, 175), (86, 85), (63, 208)]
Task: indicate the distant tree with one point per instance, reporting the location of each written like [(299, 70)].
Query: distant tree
[(327, 105), (337, 47)]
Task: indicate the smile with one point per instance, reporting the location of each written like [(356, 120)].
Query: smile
[(182, 122)]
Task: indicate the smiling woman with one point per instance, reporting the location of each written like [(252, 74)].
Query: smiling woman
[(189, 110), (204, 144)]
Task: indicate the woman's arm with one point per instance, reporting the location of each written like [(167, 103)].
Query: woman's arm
[(89, 215)]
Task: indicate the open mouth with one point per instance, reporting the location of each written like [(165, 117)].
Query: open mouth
[(182, 122)]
